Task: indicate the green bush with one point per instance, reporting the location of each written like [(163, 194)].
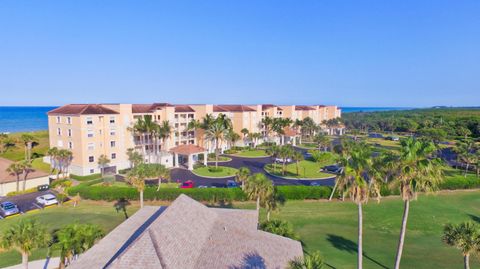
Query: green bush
[(213, 169), (456, 183), (85, 178), (62, 182), (13, 193), (304, 192), (124, 171), (230, 151)]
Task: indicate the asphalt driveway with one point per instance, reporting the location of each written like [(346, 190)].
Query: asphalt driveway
[(26, 202)]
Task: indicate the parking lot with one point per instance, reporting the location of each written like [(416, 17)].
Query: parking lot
[(25, 202)]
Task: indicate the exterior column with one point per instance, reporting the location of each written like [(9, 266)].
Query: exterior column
[(294, 140), (190, 162), (176, 159), (205, 157)]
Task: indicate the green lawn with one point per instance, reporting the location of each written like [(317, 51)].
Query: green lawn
[(255, 153), (307, 169), (331, 227), (382, 144), (38, 164), (308, 145), (206, 171), (17, 152), (100, 213)]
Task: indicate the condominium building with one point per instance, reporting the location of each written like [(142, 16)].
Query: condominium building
[(92, 130)]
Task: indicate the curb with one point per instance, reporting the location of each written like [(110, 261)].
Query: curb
[(301, 179)]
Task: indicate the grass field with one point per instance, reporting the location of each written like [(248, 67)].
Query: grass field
[(100, 213), (255, 153), (331, 227), (224, 171), (307, 169), (17, 152)]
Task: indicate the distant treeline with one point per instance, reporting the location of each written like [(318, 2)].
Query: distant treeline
[(435, 122)]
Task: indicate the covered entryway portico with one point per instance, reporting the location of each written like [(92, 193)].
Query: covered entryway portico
[(290, 136), (189, 153)]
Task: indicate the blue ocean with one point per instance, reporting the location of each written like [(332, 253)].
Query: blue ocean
[(25, 118)]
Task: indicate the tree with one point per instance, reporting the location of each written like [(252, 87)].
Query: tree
[(28, 140), (297, 157), (16, 169), (135, 158), (103, 162), (310, 261), (65, 158), (244, 132), (159, 171), (52, 153), (272, 202), (232, 137), (309, 127), (6, 142), (465, 153), (274, 152), (463, 131), (465, 237), (279, 227), (164, 132), (24, 237), (27, 168), (284, 154), (267, 123), (322, 141), (216, 131), (137, 177), (258, 188), (415, 171), (242, 176), (75, 239)]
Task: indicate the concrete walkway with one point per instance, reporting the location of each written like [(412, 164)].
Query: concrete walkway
[(38, 264)]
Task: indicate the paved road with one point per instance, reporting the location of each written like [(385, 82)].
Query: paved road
[(26, 202), (254, 164)]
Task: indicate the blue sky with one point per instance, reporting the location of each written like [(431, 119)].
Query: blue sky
[(350, 53)]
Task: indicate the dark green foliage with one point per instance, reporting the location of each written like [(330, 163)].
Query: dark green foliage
[(85, 178), (213, 169)]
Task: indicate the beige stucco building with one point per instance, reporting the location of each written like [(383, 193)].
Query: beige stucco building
[(92, 130)]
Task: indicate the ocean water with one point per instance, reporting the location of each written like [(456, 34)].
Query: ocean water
[(25, 118)]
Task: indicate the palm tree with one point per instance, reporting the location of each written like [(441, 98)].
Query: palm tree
[(242, 175), (311, 261), (28, 140), (309, 127), (258, 188), (75, 239), (216, 131), (285, 153), (361, 183), (103, 161), (274, 152), (65, 158), (232, 137), (272, 202), (244, 132), (267, 123), (279, 227), (159, 171), (322, 141), (254, 138), (27, 168), (16, 169), (465, 237), (137, 177), (297, 157), (52, 153), (415, 171), (24, 237), (164, 132), (135, 158)]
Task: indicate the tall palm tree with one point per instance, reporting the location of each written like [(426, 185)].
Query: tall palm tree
[(465, 153), (465, 237), (103, 162), (216, 132), (28, 140), (322, 141), (416, 171), (27, 168), (297, 157), (232, 137), (258, 188), (164, 132), (65, 158), (310, 261), (361, 183), (134, 157), (285, 153), (137, 177), (16, 169), (52, 153), (274, 152), (267, 123), (159, 171), (25, 236), (272, 202), (242, 176)]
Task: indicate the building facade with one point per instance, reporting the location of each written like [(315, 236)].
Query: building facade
[(92, 130)]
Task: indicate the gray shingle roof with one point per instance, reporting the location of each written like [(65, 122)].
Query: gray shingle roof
[(188, 234)]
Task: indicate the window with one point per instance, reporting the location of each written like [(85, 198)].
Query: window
[(89, 133), (112, 119), (91, 159), (112, 144), (91, 146), (89, 120), (112, 132), (114, 156), (70, 145), (70, 132), (92, 171), (69, 120), (59, 131), (59, 120)]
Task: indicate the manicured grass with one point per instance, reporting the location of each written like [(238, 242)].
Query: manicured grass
[(382, 144), (308, 145), (17, 153), (220, 159), (307, 169), (254, 153), (331, 228), (86, 178), (207, 171), (100, 213), (38, 164)]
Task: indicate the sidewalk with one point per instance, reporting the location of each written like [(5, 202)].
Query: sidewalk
[(38, 264)]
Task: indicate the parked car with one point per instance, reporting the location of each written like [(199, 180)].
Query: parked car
[(333, 169), (202, 187), (392, 138), (8, 209), (232, 184), (314, 184), (187, 184), (280, 160), (47, 199)]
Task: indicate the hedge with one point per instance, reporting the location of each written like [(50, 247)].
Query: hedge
[(85, 178), (460, 183), (112, 193)]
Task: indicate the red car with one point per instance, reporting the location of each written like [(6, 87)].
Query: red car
[(187, 184)]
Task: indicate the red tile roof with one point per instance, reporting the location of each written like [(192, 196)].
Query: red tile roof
[(232, 108), (183, 108), (81, 109), (187, 149), (148, 108), (290, 132), (267, 106), (304, 108)]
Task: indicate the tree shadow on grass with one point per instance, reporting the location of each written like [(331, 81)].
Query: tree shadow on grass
[(474, 218), (344, 244)]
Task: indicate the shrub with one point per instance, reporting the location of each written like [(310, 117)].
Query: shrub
[(13, 193), (213, 169), (124, 171), (230, 151), (304, 192), (85, 178), (62, 182), (455, 183), (197, 165)]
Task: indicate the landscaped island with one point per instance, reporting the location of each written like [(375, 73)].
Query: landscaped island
[(212, 171)]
